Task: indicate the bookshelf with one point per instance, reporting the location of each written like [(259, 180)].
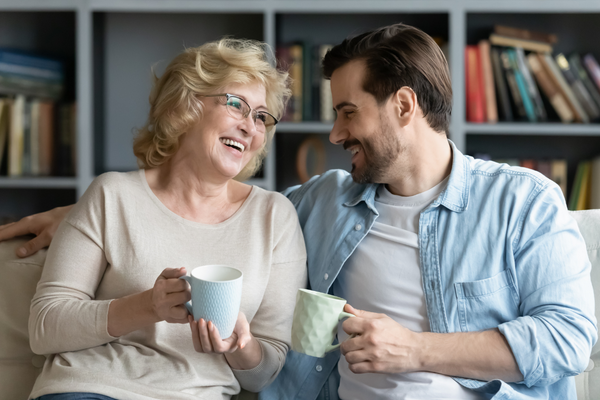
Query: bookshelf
[(111, 44)]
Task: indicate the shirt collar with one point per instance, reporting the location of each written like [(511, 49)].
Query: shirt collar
[(455, 197)]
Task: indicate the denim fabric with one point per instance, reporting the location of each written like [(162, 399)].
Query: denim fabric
[(497, 249), (74, 396)]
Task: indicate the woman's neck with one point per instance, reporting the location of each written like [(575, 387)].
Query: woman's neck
[(195, 197)]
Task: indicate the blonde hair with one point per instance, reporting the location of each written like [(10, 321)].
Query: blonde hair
[(174, 100)]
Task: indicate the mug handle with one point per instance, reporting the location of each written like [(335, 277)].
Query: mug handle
[(343, 315), (188, 305)]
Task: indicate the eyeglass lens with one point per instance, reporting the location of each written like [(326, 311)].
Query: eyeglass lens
[(240, 109)]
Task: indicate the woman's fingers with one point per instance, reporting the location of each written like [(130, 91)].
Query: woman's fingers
[(204, 336), (195, 335)]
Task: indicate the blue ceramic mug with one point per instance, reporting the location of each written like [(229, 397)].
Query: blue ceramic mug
[(216, 296)]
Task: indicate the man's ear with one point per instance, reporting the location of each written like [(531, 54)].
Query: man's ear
[(405, 105)]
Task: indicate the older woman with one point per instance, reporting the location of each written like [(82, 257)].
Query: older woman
[(109, 307)]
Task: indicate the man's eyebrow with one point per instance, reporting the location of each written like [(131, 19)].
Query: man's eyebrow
[(344, 104)]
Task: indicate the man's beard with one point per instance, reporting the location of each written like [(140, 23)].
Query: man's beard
[(379, 153)]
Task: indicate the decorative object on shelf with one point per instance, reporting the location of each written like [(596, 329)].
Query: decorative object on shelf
[(315, 144)]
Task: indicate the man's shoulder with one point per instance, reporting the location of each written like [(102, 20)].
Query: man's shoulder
[(514, 176), (332, 184)]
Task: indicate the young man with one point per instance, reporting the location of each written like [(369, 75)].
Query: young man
[(475, 278)]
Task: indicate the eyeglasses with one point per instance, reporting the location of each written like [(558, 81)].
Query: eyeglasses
[(240, 109)]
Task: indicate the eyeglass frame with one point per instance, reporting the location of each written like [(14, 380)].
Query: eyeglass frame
[(228, 95)]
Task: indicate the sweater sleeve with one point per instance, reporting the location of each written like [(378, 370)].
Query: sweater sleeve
[(272, 324), (64, 315)]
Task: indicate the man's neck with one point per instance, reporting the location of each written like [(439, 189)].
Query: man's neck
[(429, 163)]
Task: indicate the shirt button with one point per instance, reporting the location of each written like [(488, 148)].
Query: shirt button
[(319, 368), (357, 227), (325, 276)]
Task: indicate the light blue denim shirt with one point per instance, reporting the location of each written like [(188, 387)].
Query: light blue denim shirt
[(497, 249)]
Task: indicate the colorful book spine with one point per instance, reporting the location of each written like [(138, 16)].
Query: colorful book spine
[(488, 81), (503, 104), (520, 79), (475, 96)]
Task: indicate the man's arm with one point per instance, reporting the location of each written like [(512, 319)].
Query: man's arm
[(385, 346), (42, 225)]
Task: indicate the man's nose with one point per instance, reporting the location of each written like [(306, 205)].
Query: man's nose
[(338, 134)]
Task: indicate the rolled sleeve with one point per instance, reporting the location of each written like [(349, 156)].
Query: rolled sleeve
[(554, 336)]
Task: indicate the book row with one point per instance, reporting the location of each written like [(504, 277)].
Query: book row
[(515, 79), (311, 93), (37, 137)]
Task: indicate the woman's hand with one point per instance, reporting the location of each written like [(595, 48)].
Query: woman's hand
[(206, 338), (42, 225), (241, 349), (169, 296)]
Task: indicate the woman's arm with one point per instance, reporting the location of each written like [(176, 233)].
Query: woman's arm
[(42, 225), (65, 316)]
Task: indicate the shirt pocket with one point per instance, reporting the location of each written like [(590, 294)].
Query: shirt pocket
[(487, 303)]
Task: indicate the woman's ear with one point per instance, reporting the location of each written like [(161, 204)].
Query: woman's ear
[(405, 105)]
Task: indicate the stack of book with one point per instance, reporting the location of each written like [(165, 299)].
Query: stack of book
[(37, 129), (513, 76), (311, 93)]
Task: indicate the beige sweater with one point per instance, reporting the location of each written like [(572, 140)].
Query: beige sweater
[(115, 242)]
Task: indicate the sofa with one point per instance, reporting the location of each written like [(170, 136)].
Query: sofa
[(18, 279)]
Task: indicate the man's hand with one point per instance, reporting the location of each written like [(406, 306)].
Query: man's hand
[(42, 225), (381, 344)]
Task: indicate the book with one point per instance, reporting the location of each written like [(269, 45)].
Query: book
[(34, 132), (503, 103), (4, 110), (525, 34), (574, 198), (284, 62), (307, 83), (522, 86), (581, 73), (512, 85), (544, 167), (558, 79), (296, 52), (488, 81), (530, 45), (532, 89), (26, 160), (577, 87), (15, 137), (595, 184), (558, 101), (529, 163), (593, 68), (559, 175), (475, 95), (46, 137), (583, 198)]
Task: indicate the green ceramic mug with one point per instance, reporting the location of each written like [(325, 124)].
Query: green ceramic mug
[(315, 322)]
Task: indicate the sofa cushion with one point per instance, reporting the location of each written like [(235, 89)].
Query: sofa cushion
[(588, 383), (18, 280)]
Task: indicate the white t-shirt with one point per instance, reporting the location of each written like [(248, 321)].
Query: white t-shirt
[(383, 275)]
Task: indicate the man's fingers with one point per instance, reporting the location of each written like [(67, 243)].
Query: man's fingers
[(361, 313), (15, 229), (6, 225), (33, 246)]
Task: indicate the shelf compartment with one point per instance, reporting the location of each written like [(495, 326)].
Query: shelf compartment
[(126, 45), (18, 203)]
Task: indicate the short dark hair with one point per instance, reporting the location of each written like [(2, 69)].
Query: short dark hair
[(400, 55)]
